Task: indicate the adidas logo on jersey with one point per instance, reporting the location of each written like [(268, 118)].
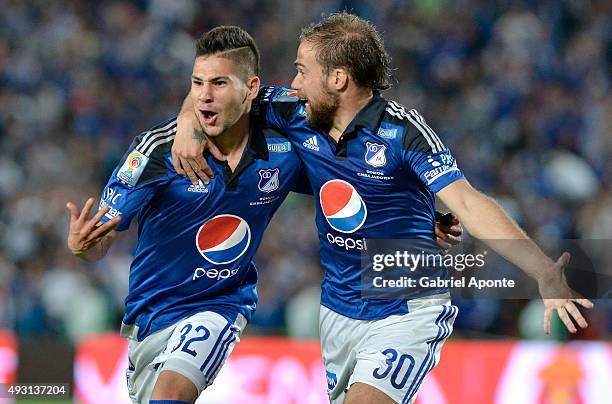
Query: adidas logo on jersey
[(200, 188), (312, 143)]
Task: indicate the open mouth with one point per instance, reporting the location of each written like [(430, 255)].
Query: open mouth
[(209, 117)]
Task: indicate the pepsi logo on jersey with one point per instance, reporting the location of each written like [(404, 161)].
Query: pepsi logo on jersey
[(223, 239), (214, 273), (345, 211)]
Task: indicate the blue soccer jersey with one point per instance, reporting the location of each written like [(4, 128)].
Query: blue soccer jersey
[(377, 182), (195, 243)]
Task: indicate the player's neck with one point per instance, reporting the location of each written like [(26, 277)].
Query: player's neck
[(232, 142), (350, 105)]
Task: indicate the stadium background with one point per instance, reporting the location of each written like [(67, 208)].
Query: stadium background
[(519, 90)]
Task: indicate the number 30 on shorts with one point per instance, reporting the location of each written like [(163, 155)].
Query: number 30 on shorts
[(399, 363)]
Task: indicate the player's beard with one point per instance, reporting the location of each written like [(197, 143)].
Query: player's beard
[(321, 114)]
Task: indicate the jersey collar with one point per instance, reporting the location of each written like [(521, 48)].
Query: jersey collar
[(257, 145), (256, 148), (369, 117)]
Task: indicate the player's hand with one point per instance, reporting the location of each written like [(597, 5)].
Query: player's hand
[(188, 150), (85, 233), (559, 296), (448, 231)]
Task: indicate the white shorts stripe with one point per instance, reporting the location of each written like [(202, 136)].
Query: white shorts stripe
[(430, 358), (216, 367), (222, 334)]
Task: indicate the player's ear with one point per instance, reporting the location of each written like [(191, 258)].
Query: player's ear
[(339, 78), (253, 84)]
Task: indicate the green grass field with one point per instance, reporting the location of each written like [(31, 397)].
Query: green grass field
[(38, 401)]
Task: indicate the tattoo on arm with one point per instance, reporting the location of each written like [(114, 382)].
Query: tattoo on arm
[(198, 135)]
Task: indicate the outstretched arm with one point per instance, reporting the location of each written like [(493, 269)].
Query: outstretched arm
[(90, 239), (487, 221)]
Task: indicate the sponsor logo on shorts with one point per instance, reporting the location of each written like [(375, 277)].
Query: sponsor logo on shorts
[(332, 380)]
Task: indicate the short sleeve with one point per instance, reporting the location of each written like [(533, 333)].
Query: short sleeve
[(425, 155), (133, 183)]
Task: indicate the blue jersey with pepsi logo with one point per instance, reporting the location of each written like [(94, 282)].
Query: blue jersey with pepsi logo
[(196, 243), (377, 182)]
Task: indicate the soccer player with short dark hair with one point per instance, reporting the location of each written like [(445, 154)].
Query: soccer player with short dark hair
[(192, 280)]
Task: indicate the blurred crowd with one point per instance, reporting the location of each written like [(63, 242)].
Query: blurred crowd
[(519, 91)]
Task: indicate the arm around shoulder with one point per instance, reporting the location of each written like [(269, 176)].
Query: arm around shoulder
[(189, 145)]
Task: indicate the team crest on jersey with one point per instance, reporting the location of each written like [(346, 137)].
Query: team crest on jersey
[(375, 154), (268, 180), (223, 239), (132, 168)]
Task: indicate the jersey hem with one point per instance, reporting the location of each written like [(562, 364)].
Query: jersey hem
[(402, 308)]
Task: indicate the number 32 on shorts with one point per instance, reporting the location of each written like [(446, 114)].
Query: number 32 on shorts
[(398, 363), (202, 334)]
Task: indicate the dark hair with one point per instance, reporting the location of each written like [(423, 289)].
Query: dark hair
[(348, 41), (231, 42)]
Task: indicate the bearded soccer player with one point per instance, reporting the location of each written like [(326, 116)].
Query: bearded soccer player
[(385, 160)]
